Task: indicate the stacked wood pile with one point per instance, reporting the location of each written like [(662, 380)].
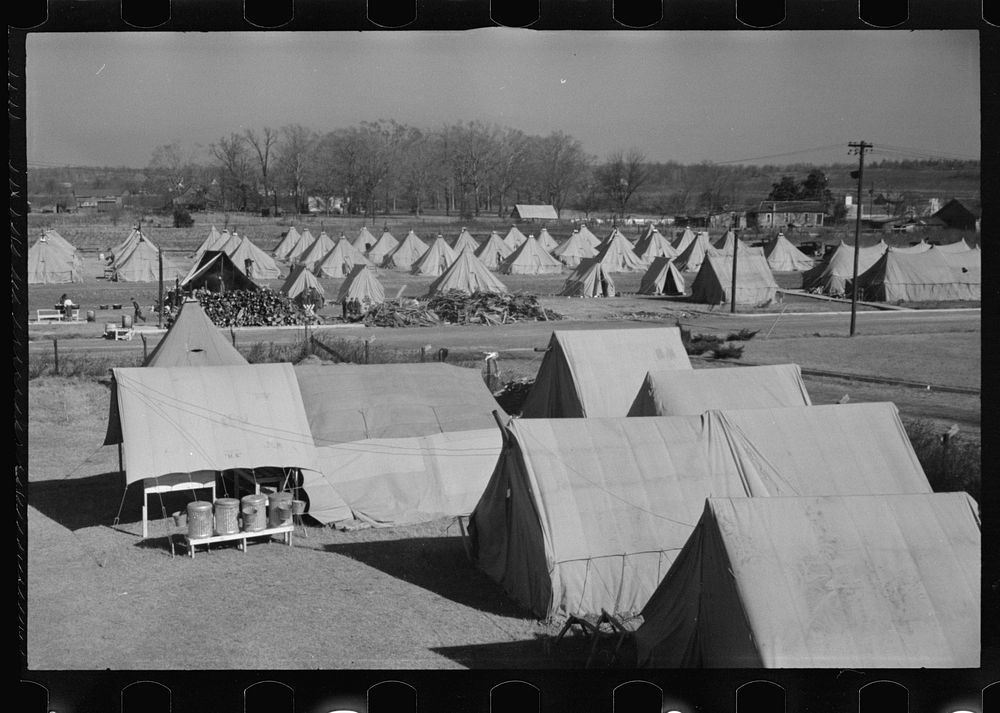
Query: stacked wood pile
[(400, 314), (457, 307), (245, 308)]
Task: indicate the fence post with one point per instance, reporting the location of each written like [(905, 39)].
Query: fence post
[(55, 350), (144, 353), (367, 352)]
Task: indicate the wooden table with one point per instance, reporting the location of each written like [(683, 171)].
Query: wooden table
[(241, 537)]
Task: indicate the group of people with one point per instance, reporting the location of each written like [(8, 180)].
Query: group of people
[(353, 308)]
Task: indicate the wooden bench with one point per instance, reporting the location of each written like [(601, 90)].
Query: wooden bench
[(284, 530), (56, 315)]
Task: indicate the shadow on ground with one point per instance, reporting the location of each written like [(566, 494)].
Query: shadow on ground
[(438, 564), (543, 652)]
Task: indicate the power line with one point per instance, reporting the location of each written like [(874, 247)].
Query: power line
[(780, 155)]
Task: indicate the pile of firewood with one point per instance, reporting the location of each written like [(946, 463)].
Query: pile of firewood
[(457, 307), (400, 314), (246, 308)]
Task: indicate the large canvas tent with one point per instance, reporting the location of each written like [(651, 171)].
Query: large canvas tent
[(340, 261), (514, 238), (288, 241), (589, 236), (193, 340), (662, 278), (653, 245), (688, 392), (405, 253), (465, 240), (467, 274), (48, 263), (546, 240), (920, 247), (617, 254), (529, 258), (494, 251), (141, 263), (402, 443), (832, 275), (681, 242), (755, 284), (212, 241), (362, 285), (598, 372), (435, 259), (589, 279), (215, 272), (582, 515), (364, 240), (691, 256), (534, 212), (305, 240), (959, 246), (782, 256), (574, 250), (846, 582), (299, 282), (317, 250), (58, 241), (263, 266), (175, 423), (907, 277), (382, 247)]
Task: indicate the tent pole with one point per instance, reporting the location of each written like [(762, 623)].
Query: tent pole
[(159, 260)]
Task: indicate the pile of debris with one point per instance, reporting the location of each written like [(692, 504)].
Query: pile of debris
[(512, 395), (401, 314), (246, 308), (457, 307)]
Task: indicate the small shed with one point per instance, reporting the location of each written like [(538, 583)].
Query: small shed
[(534, 212)]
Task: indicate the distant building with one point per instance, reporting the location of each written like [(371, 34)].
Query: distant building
[(534, 212), (956, 215), (333, 205), (92, 204), (786, 215)]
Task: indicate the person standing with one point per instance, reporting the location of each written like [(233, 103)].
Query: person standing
[(67, 307), (137, 311)]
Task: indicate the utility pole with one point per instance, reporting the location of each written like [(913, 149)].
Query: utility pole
[(860, 146), (732, 292)]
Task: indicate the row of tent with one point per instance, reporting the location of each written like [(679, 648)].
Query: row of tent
[(749, 526), (890, 274)]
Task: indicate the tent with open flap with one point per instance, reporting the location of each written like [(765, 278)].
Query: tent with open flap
[(215, 272), (589, 279), (364, 240), (262, 265), (402, 443), (598, 372), (662, 278), (48, 263), (834, 273), (843, 582)]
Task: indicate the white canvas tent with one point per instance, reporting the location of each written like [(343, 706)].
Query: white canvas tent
[(681, 243), (653, 245), (921, 247), (263, 266), (782, 256), (494, 251), (364, 240), (598, 372), (574, 250), (840, 582), (755, 284), (957, 247), (340, 261), (514, 238), (662, 278), (435, 259), (284, 247), (382, 247), (465, 240), (529, 258), (582, 515), (141, 263), (402, 443), (467, 274), (546, 240), (211, 242), (589, 279), (832, 275), (363, 286), (193, 340), (317, 250), (617, 254), (405, 253), (305, 240), (589, 236), (534, 212), (691, 255), (299, 281), (907, 277), (688, 392), (48, 263)]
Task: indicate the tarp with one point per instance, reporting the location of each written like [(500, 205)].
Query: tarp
[(382, 247), (193, 340), (493, 252), (755, 284), (529, 258), (589, 279), (317, 250), (402, 443), (288, 241), (688, 392), (405, 253), (183, 419), (465, 240), (514, 237), (362, 286), (617, 254), (846, 582), (904, 277), (598, 372), (832, 275), (141, 263), (546, 240), (299, 281), (264, 267), (49, 263), (435, 259), (582, 515), (691, 255), (573, 250), (653, 245), (782, 256), (217, 273), (662, 278), (340, 261), (468, 275)]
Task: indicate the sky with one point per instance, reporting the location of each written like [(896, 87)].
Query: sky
[(109, 99)]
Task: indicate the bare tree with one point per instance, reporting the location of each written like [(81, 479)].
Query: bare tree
[(419, 166), (621, 176), (294, 160), (171, 168), (509, 165), (235, 173), (470, 151), (558, 166), (262, 146)]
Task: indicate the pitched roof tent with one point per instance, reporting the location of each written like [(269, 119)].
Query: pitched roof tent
[(534, 212), (263, 268), (832, 275), (597, 372), (382, 247), (782, 256), (363, 286), (467, 274), (299, 281), (286, 244), (405, 253), (862, 581), (193, 340), (217, 273), (617, 254), (662, 278), (341, 260), (573, 250), (589, 279), (48, 263), (905, 277), (435, 260), (754, 282), (530, 258), (493, 252)]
